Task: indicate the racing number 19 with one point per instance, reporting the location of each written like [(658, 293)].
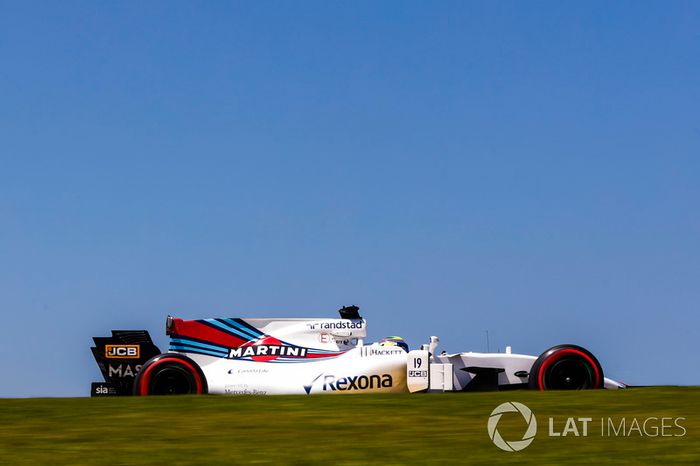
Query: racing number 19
[(418, 377)]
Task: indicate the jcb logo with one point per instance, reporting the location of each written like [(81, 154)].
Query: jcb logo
[(122, 351)]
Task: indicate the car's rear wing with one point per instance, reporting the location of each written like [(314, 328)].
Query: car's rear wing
[(120, 357)]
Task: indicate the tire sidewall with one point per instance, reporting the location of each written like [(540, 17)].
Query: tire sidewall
[(556, 352), (143, 379)]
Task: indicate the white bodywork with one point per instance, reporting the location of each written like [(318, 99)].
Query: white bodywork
[(311, 356)]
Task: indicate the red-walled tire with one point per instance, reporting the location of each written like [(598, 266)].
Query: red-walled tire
[(170, 374), (566, 367)]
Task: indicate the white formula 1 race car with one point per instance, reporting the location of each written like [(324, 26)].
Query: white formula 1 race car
[(310, 356)]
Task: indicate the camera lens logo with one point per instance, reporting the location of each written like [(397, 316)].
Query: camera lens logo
[(512, 407)]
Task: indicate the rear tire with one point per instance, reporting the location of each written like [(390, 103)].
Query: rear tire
[(566, 367), (170, 374)]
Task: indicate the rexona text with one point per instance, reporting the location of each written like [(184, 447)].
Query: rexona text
[(358, 382)]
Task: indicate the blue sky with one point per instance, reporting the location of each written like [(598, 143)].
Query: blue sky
[(528, 169)]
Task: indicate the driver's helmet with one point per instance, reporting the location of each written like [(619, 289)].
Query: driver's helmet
[(394, 341)]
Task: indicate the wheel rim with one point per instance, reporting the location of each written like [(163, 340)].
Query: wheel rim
[(172, 380), (569, 373)]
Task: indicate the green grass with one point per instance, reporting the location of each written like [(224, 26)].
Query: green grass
[(341, 430)]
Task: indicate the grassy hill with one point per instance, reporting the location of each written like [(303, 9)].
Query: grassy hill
[(349, 430)]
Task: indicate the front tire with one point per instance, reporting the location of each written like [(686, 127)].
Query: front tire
[(170, 374), (566, 367)]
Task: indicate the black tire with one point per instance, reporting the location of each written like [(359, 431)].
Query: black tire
[(566, 367), (170, 374)]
